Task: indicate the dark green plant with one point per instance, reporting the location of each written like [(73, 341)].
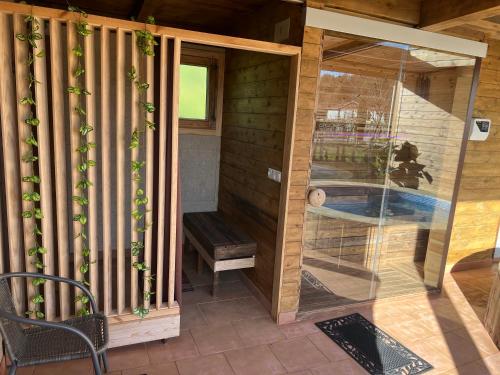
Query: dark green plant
[(84, 128), (30, 195)]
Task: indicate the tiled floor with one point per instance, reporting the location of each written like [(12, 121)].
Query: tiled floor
[(234, 334), (476, 285)]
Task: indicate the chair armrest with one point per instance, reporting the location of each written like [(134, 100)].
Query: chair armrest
[(54, 278), (43, 323)]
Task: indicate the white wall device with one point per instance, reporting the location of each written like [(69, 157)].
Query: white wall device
[(274, 175), (480, 129)]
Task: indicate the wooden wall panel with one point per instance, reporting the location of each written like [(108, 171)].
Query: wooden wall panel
[(477, 216), (253, 127), (403, 11), (299, 179)]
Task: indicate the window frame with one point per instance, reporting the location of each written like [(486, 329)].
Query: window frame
[(213, 59)]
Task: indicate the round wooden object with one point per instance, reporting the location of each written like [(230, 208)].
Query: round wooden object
[(316, 197)]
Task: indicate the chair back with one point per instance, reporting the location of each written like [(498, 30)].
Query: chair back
[(13, 333)]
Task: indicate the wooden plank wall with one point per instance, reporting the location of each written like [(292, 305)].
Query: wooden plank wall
[(253, 131), (435, 126), (477, 215), (299, 179)]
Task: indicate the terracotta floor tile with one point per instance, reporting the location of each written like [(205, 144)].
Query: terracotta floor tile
[(493, 363), (299, 329), (25, 370), (174, 349), (258, 331), (345, 367), (434, 352), (302, 372), (223, 312), (127, 357), (473, 368), (328, 347), (480, 339), (158, 369), (216, 339), (191, 317), (254, 360), (75, 367), (227, 290), (298, 354), (209, 365)]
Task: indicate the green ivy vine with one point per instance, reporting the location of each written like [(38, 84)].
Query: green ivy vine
[(85, 128), (145, 42), (30, 194)]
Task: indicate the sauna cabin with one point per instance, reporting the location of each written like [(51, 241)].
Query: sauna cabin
[(193, 125)]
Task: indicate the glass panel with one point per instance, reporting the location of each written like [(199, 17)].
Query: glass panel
[(193, 82), (429, 121), (389, 125), (350, 149)]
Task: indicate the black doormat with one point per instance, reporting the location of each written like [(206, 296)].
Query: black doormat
[(372, 348)]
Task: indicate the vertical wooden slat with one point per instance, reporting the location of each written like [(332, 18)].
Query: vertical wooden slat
[(26, 169), (74, 126), (121, 146), (93, 218), (58, 124), (148, 246), (106, 172), (11, 162), (174, 171), (162, 157), (44, 166), (2, 236), (134, 275)]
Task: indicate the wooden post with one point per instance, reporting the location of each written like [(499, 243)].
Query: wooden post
[(74, 126), (44, 167), (106, 173), (121, 146), (174, 171), (92, 155), (59, 125), (148, 246), (23, 132), (162, 128), (11, 161), (136, 125)]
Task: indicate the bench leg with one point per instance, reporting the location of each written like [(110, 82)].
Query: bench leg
[(200, 264), (215, 284)]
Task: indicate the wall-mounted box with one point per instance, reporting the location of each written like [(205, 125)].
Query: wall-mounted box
[(479, 129)]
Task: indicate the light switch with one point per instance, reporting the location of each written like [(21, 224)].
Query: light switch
[(274, 175)]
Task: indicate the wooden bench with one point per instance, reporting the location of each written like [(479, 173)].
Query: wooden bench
[(221, 245)]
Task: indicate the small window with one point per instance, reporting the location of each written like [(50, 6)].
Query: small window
[(200, 90), (193, 92)]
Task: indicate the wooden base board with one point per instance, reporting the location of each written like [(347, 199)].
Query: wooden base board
[(135, 331)]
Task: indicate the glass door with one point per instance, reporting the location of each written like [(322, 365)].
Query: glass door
[(389, 124)]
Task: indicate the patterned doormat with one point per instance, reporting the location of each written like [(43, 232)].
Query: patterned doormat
[(372, 348)]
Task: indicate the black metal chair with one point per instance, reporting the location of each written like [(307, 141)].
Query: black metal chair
[(32, 342)]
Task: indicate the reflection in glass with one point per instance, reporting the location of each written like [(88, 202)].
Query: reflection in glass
[(389, 125)]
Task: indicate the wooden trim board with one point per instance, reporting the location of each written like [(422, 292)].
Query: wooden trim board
[(293, 90), (134, 331), (183, 35)]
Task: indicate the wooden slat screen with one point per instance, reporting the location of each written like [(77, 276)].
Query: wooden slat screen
[(113, 111)]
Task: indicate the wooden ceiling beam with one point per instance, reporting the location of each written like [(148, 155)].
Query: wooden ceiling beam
[(437, 15), (401, 11)]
